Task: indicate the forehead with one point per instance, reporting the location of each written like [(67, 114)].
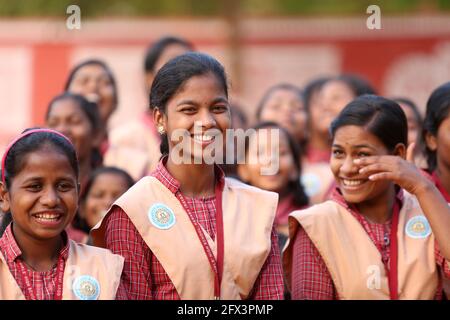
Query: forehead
[(206, 85), (351, 136), (46, 162), (282, 93), (109, 180), (66, 107), (336, 87), (91, 70), (268, 136), (171, 51)]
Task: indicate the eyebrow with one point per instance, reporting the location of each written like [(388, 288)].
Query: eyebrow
[(192, 102), (358, 146)]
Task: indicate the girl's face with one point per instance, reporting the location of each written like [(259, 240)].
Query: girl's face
[(441, 143), (286, 108), (94, 83), (413, 126), (200, 103), (67, 117), (260, 154), (106, 188), (43, 196), (350, 143), (334, 96)]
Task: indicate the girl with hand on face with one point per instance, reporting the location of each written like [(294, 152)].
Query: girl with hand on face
[(260, 153), (37, 260), (384, 234), (187, 231)]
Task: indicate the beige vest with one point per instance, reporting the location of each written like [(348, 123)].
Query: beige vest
[(83, 260), (353, 260), (248, 215), (138, 157)]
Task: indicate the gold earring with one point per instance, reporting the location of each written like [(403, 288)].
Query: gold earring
[(161, 130)]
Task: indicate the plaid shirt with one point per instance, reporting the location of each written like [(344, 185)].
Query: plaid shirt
[(144, 278), (311, 279), (44, 283)]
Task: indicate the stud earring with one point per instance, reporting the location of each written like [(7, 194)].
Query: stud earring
[(161, 130)]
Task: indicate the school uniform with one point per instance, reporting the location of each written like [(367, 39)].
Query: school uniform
[(164, 237), (134, 147), (344, 256), (82, 273), (285, 207)]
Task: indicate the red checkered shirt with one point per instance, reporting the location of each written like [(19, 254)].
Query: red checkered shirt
[(44, 283), (311, 279), (143, 276)]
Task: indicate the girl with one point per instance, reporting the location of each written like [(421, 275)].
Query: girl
[(335, 93), (284, 105), (94, 80), (37, 261), (104, 186), (140, 157), (187, 232), (285, 181), (384, 234)]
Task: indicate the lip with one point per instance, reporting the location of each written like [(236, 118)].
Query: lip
[(352, 185), (203, 143), (51, 219)]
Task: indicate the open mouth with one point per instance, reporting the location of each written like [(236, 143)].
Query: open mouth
[(203, 139), (48, 218), (352, 184)]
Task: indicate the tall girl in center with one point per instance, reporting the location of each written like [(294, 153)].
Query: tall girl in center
[(187, 231)]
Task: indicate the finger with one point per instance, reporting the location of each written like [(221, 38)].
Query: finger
[(376, 167), (382, 176), (410, 152), (367, 160)]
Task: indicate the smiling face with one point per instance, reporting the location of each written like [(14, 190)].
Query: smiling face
[(67, 117), (42, 197), (350, 143), (287, 109), (94, 83), (200, 105), (106, 188)]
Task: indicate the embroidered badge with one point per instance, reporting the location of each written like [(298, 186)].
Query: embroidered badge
[(418, 227), (161, 216), (86, 288), (311, 183)]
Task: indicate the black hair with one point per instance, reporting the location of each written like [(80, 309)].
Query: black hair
[(174, 74), (79, 222), (97, 63), (381, 117), (310, 89), (438, 109), (358, 85), (417, 116), (15, 159), (155, 51), (271, 90), (90, 109), (295, 187)]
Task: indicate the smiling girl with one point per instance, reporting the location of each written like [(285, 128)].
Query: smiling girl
[(37, 260), (187, 231), (384, 234)]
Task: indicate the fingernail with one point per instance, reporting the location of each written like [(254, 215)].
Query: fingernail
[(370, 177), (357, 161)]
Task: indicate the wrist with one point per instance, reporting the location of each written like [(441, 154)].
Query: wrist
[(424, 188)]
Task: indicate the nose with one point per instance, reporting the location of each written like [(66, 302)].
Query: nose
[(207, 119), (63, 128), (348, 168), (49, 198)]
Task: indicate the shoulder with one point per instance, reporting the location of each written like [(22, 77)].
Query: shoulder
[(87, 252), (237, 185)]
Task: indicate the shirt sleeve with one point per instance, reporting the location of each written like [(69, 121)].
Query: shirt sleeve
[(122, 238), (311, 279), (269, 285)]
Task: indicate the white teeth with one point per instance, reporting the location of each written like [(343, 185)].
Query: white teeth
[(203, 137), (45, 216), (352, 182)]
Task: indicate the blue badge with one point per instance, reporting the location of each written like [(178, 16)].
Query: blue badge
[(161, 216), (311, 183), (86, 288), (418, 227)]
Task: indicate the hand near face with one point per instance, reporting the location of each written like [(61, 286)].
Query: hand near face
[(400, 171)]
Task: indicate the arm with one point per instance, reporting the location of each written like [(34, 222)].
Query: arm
[(269, 285), (122, 238), (310, 277)]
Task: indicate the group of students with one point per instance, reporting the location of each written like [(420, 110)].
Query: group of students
[(350, 209)]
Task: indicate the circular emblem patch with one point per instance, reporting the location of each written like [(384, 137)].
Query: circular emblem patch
[(161, 216), (311, 183), (418, 227), (86, 288)]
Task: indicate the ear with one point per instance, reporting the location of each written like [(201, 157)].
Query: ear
[(400, 150), (431, 141), (243, 172), (159, 118), (4, 195)]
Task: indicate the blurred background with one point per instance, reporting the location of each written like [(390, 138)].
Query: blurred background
[(260, 43)]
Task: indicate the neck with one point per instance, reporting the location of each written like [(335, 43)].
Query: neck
[(379, 209), (443, 174), (40, 255), (196, 180), (319, 141)]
